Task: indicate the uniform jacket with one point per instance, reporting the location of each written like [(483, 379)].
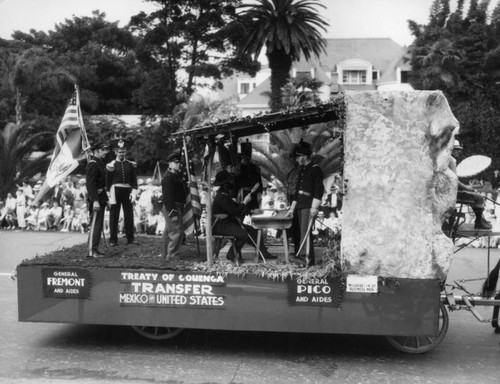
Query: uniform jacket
[(96, 180), (121, 173), (224, 204), (309, 185), (174, 190)]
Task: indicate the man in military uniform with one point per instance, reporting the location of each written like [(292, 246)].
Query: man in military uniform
[(95, 181), (174, 191), (122, 187), (228, 216), (248, 175), (307, 199)]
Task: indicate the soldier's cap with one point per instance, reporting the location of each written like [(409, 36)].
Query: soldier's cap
[(120, 143), (174, 156), (223, 177), (99, 145), (302, 149)]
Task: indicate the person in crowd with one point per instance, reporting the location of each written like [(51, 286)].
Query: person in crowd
[(57, 193), (122, 187), (28, 190), (467, 193), (228, 215), (82, 219), (248, 177), (55, 216), (21, 208), (43, 216), (140, 219), (3, 213), (95, 180), (307, 199), (32, 218), (11, 207), (68, 216), (80, 194), (174, 192), (145, 198)]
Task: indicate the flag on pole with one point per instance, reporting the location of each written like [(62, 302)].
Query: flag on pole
[(71, 144), (192, 209)]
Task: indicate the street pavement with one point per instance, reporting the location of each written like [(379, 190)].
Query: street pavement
[(64, 353)]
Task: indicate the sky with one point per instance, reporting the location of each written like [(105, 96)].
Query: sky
[(347, 18)]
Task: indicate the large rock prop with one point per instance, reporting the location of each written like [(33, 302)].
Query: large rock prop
[(399, 188)]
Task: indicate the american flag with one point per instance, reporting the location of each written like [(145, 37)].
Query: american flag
[(70, 146), (192, 210)]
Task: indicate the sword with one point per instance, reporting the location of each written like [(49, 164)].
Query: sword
[(306, 237)]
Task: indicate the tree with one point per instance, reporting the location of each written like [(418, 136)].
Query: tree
[(287, 29), (194, 37), (18, 155), (459, 53)]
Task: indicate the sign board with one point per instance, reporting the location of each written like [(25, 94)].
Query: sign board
[(362, 284), (73, 283), (312, 291), (171, 289)]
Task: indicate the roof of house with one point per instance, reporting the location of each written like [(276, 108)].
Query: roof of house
[(381, 52)]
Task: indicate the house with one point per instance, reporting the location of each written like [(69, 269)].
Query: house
[(347, 64)]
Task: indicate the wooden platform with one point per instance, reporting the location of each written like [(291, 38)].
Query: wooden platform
[(468, 230)]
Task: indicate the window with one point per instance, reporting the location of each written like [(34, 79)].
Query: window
[(245, 88), (375, 75), (354, 77), (303, 75), (405, 77)]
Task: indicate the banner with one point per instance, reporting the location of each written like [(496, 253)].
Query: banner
[(71, 144)]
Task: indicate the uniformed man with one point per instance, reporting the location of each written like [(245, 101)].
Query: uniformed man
[(247, 176), (174, 192), (95, 181), (227, 218), (307, 199), (122, 188)]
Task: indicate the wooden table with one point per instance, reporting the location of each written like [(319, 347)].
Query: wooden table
[(278, 220)]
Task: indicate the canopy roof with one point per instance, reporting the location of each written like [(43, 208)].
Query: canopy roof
[(269, 122)]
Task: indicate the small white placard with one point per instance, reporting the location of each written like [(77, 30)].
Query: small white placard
[(362, 284)]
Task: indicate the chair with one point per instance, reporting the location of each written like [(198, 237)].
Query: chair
[(220, 241)]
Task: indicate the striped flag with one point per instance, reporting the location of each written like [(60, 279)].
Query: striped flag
[(192, 209), (71, 143)]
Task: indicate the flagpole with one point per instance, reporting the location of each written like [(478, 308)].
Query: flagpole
[(189, 186)]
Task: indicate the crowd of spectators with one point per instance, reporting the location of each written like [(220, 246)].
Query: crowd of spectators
[(65, 209)]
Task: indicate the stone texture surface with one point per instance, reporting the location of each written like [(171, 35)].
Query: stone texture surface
[(399, 188)]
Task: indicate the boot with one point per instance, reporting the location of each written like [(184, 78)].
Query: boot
[(481, 222)]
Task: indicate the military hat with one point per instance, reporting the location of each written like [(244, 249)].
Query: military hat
[(99, 145), (246, 149), (175, 155), (302, 149), (222, 177)]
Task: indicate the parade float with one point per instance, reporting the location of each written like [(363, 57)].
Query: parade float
[(383, 276)]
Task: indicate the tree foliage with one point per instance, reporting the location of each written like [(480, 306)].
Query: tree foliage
[(287, 29), (458, 52)]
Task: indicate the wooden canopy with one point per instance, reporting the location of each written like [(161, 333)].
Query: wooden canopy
[(269, 122)]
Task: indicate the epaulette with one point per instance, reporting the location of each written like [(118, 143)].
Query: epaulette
[(134, 164), (315, 165), (91, 161)]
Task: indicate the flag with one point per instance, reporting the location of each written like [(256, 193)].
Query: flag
[(71, 143), (192, 209)]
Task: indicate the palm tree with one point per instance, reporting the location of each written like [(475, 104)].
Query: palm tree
[(287, 29), (17, 149)]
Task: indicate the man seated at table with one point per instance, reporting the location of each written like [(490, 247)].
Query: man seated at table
[(227, 218)]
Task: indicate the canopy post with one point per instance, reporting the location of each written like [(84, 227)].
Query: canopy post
[(208, 229)]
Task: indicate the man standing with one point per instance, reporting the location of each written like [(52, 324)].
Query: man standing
[(174, 192), (307, 199), (247, 176), (122, 187), (95, 175)]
